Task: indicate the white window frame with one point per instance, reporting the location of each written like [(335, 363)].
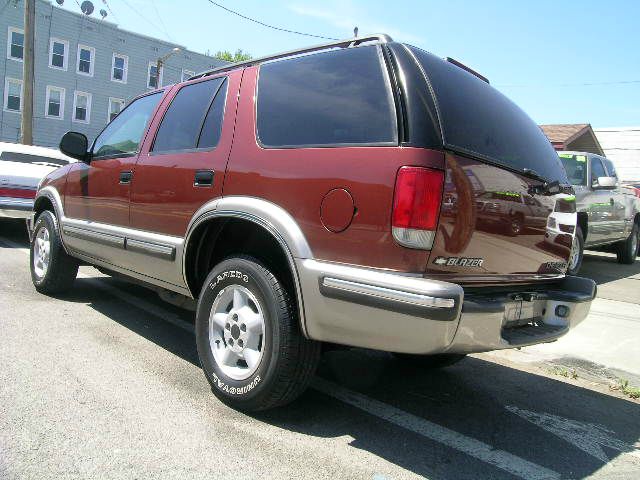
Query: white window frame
[(184, 77), (65, 58), (10, 31), (7, 81), (91, 64), (62, 91), (89, 97), (114, 100), (126, 67), (159, 82)]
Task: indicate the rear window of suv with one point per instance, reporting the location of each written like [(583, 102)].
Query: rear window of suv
[(340, 97), (478, 120)]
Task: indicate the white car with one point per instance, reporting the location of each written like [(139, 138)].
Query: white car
[(21, 169)]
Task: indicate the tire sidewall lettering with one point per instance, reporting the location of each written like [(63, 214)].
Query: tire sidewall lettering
[(230, 387)]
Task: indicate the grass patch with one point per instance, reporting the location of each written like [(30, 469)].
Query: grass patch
[(563, 372), (628, 390)]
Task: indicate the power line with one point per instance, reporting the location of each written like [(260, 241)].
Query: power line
[(153, 4), (591, 84), (147, 20), (267, 25)]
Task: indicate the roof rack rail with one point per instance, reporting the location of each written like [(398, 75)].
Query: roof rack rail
[(347, 43)]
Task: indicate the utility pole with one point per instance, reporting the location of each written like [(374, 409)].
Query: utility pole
[(27, 71), (161, 61)]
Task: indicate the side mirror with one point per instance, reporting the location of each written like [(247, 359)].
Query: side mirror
[(605, 182), (75, 145)]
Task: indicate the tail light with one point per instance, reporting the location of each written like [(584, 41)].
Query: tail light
[(18, 192), (416, 206)]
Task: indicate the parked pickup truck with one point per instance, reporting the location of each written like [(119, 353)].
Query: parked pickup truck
[(298, 199), (608, 212)]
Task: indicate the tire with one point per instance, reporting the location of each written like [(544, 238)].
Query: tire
[(627, 250), (575, 265), (244, 307), (52, 271), (430, 361)]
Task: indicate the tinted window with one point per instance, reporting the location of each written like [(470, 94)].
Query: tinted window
[(576, 167), (597, 170), (610, 168), (181, 125), (30, 158), (123, 135), (330, 98), (212, 126), (478, 120)]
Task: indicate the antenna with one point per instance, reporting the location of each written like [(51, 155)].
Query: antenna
[(87, 7), (103, 13), (355, 32), (59, 2)]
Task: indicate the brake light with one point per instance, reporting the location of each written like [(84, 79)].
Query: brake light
[(17, 192), (416, 206)]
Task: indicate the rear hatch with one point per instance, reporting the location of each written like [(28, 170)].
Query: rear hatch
[(505, 213)]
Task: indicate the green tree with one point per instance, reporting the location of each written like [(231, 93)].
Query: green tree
[(239, 56)]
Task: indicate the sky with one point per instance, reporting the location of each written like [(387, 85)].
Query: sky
[(562, 61)]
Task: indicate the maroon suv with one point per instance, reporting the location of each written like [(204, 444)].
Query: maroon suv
[(333, 194)]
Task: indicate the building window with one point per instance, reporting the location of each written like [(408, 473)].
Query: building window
[(81, 107), (58, 53), (115, 107), (119, 67), (54, 106), (85, 62), (15, 44), (152, 76), (12, 94), (187, 74)]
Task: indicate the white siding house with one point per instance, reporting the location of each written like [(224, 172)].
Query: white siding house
[(85, 70), (622, 146)]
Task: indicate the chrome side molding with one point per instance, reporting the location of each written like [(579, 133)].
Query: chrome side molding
[(393, 295)]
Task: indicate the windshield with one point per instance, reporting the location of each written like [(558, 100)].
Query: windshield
[(576, 167), (478, 120)]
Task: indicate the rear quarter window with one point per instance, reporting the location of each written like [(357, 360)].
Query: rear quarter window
[(478, 120), (339, 97)]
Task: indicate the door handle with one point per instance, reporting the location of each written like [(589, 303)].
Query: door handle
[(125, 177), (203, 178)]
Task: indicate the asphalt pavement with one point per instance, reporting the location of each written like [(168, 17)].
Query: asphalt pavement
[(104, 382)]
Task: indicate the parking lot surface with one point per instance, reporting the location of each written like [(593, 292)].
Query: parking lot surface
[(104, 382)]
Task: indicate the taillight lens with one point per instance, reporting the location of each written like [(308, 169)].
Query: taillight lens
[(416, 206), (18, 192)]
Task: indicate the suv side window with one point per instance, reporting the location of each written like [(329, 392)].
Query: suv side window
[(123, 135), (610, 168), (339, 97), (597, 170), (194, 118)]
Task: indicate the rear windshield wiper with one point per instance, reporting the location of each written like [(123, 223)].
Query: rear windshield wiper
[(548, 187)]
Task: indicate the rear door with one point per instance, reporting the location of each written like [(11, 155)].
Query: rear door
[(599, 204), (183, 162), (619, 213)]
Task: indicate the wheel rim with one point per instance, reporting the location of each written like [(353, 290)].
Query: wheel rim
[(236, 332), (634, 243), (515, 225), (575, 254), (41, 252)]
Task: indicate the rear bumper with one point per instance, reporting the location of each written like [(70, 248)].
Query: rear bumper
[(411, 314), (15, 207)]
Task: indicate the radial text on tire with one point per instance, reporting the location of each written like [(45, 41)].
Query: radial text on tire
[(249, 340)]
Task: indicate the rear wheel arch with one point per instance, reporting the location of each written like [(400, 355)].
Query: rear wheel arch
[(223, 236)]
